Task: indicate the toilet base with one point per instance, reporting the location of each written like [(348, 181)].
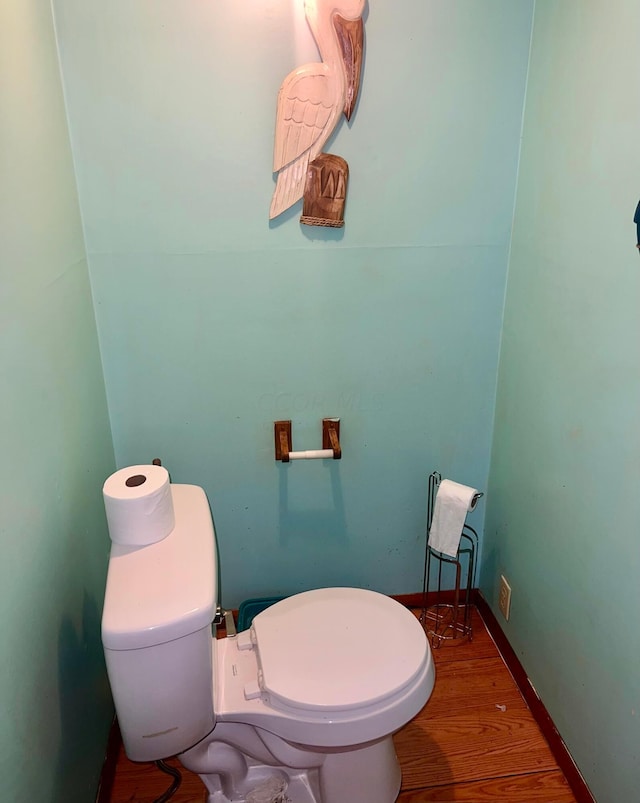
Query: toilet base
[(368, 774), (296, 789), (269, 788), (232, 773)]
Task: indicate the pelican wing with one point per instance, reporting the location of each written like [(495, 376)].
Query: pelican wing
[(307, 110)]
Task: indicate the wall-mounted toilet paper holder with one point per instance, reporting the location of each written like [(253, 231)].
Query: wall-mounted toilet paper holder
[(330, 442)]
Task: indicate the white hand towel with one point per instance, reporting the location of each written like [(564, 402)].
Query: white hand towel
[(453, 502)]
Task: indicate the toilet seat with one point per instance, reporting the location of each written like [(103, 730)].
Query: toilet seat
[(276, 675), (336, 649)]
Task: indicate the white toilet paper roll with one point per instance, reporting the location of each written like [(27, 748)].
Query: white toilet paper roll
[(453, 502), (138, 504)]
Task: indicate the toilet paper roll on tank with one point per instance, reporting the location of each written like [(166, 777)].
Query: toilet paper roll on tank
[(453, 502), (139, 505)]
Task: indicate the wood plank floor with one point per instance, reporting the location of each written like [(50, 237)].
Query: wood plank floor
[(474, 742)]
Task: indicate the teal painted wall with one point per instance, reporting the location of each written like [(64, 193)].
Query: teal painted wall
[(214, 323), (56, 443), (563, 509)]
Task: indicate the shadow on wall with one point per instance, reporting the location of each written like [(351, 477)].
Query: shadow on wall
[(490, 572), (85, 702), (312, 523)]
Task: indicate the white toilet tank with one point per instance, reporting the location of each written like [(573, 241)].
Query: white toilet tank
[(159, 603)]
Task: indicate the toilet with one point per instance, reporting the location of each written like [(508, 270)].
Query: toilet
[(299, 708)]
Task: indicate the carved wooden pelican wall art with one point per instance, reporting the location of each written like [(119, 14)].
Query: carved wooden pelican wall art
[(310, 102)]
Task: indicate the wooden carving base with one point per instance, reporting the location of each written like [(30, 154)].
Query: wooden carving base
[(325, 191)]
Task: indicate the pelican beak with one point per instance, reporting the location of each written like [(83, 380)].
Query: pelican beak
[(351, 39)]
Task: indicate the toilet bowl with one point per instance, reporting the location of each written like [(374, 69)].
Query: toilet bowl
[(300, 707)]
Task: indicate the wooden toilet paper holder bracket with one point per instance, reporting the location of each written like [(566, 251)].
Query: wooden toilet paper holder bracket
[(331, 448)]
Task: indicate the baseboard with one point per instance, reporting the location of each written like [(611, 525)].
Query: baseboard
[(108, 774), (417, 600), (559, 749)]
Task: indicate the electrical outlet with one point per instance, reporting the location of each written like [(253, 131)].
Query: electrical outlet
[(504, 600)]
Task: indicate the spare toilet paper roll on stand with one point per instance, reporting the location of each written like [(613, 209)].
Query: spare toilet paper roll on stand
[(453, 502), (139, 505)]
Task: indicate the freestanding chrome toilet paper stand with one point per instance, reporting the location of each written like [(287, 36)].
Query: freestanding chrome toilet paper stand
[(446, 612)]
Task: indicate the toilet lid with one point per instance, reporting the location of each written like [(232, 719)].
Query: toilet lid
[(337, 649)]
